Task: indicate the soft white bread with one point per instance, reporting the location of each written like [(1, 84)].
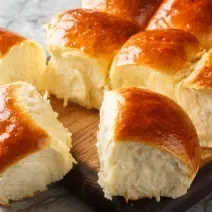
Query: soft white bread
[(136, 11), (189, 15), (82, 44), (147, 146), (174, 63), (34, 146), (20, 59)]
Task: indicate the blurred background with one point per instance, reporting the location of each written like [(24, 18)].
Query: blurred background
[(28, 16)]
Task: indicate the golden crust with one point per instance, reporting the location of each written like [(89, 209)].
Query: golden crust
[(189, 15), (202, 78), (154, 119), (136, 11), (19, 135), (8, 40), (95, 33), (166, 50)]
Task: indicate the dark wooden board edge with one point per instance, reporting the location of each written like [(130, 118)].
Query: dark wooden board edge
[(81, 180)]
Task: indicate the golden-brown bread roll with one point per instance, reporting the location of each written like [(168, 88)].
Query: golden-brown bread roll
[(147, 146), (20, 59), (189, 15), (201, 76), (82, 44), (174, 63), (34, 146), (137, 11)]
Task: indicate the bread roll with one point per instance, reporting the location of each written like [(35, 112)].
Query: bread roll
[(34, 146), (82, 44), (20, 59), (189, 15), (147, 146), (136, 11), (174, 63)]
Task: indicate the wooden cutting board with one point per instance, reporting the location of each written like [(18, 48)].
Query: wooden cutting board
[(82, 180)]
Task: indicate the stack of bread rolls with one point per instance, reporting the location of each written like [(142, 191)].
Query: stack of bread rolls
[(174, 63), (188, 15), (34, 146), (126, 47)]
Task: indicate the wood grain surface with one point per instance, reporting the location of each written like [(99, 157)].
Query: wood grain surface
[(82, 180)]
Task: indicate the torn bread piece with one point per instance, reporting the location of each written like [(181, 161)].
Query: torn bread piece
[(34, 146), (82, 44), (147, 146)]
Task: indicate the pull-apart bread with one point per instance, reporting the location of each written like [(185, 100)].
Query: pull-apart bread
[(20, 59), (189, 15), (147, 146), (34, 146), (136, 11), (174, 63), (82, 44)]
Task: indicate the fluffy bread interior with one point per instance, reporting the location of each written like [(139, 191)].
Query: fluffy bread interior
[(74, 76), (143, 76), (136, 170), (24, 62), (194, 95), (197, 103), (33, 173)]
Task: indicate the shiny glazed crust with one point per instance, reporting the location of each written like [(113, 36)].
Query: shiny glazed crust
[(136, 11), (147, 117), (19, 135), (8, 40), (95, 33), (203, 78), (189, 15), (166, 50)]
